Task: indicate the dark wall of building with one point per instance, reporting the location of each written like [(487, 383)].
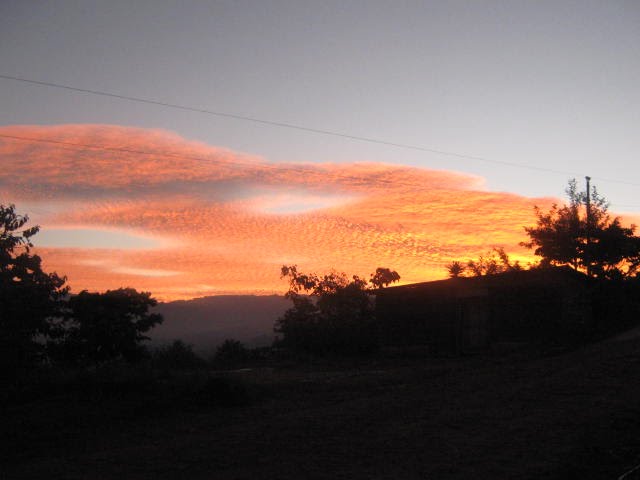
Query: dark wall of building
[(467, 314)]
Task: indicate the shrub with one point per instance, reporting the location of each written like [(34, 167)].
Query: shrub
[(178, 356), (231, 352)]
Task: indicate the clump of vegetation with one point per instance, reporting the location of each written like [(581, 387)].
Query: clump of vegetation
[(102, 327), (583, 236), (580, 234), (331, 313), (40, 323), (177, 356), (81, 349), (492, 263), (231, 353), (30, 299)]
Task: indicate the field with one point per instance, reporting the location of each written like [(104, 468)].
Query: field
[(572, 414)]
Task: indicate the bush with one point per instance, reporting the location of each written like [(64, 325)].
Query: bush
[(177, 356), (231, 352)]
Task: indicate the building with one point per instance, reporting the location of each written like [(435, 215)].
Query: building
[(461, 315)]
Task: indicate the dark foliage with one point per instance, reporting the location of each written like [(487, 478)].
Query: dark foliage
[(383, 277), (177, 356), (106, 326), (231, 352), (332, 313), (30, 299), (493, 262), (456, 269), (39, 322), (586, 240)]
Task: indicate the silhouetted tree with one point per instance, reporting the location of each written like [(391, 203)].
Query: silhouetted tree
[(331, 313), (496, 261), (493, 262), (456, 269), (383, 277), (107, 326), (593, 243), (178, 356), (231, 352), (30, 299)]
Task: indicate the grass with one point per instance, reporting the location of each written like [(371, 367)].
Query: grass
[(563, 415)]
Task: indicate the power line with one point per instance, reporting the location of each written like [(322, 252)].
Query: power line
[(296, 127), (83, 146)]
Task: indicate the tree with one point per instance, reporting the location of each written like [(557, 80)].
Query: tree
[(177, 356), (493, 262), (383, 277), (456, 269), (582, 235), (231, 352), (30, 299), (331, 313), (107, 326)]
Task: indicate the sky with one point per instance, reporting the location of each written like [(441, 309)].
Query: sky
[(447, 122)]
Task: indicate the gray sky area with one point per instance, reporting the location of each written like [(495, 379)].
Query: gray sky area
[(546, 84)]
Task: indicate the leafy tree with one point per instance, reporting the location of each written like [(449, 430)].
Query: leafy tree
[(107, 326), (383, 277), (589, 241), (30, 299), (331, 313)]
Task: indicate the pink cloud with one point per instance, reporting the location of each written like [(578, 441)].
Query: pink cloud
[(229, 220)]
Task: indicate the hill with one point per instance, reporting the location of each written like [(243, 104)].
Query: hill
[(206, 322)]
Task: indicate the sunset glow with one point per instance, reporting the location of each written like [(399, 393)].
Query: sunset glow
[(184, 219)]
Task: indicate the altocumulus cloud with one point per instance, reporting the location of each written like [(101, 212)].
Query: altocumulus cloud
[(184, 219)]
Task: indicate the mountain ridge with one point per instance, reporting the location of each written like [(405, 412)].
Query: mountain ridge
[(205, 322)]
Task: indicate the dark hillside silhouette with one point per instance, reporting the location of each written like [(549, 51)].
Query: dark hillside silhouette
[(207, 322)]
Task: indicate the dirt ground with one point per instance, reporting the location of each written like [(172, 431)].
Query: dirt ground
[(567, 415)]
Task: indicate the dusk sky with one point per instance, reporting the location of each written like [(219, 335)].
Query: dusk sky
[(477, 112)]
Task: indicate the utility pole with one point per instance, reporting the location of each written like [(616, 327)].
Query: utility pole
[(587, 252)]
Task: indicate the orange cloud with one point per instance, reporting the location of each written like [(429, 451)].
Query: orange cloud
[(227, 221)]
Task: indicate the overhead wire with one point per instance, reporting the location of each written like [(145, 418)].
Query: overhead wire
[(270, 123), (85, 146), (302, 128)]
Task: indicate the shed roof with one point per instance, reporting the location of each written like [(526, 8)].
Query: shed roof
[(553, 276)]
